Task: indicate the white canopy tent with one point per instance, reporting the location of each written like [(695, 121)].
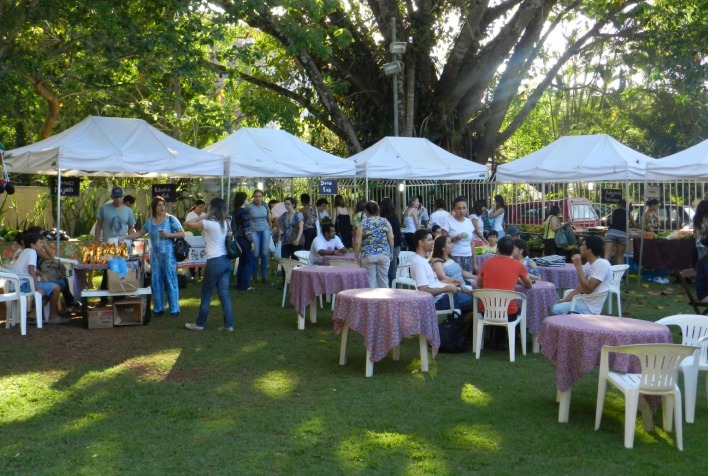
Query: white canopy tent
[(689, 164), (111, 146), (274, 153), (411, 158), (587, 158)]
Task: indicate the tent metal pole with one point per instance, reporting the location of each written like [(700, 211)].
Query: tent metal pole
[(58, 208), (641, 242)]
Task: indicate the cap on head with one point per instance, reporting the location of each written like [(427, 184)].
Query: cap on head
[(117, 192), (512, 231)]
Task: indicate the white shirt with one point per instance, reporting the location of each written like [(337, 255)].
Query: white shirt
[(499, 222), (601, 270), (20, 267), (214, 238), (454, 228), (320, 243), (423, 274), (193, 215), (438, 217)]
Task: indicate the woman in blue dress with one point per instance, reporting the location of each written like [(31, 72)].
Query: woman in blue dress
[(163, 228)]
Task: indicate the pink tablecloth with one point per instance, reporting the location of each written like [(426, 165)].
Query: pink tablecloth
[(564, 277), (328, 258), (539, 300), (386, 316), (572, 342), (308, 282)]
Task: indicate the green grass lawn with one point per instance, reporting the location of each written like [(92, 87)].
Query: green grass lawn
[(269, 399)]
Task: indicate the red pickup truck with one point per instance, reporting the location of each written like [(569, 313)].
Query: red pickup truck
[(579, 212)]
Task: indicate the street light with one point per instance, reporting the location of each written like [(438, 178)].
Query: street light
[(397, 47), (394, 67)]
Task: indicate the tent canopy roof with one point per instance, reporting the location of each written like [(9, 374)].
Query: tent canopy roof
[(691, 163), (274, 153), (116, 147), (587, 158), (408, 158)]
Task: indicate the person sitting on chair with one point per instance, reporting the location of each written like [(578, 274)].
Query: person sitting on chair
[(594, 279), (25, 267), (426, 280), (326, 244)]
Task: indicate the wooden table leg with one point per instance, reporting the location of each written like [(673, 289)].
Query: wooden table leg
[(343, 345), (313, 311), (423, 344), (563, 399), (369, 364)]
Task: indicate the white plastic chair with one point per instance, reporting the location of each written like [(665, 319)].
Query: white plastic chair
[(303, 256), (410, 283), (405, 258), (618, 271), (694, 328), (17, 301), (660, 363), (496, 306), (288, 265)]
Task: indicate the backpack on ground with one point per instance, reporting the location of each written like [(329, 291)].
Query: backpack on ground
[(453, 336)]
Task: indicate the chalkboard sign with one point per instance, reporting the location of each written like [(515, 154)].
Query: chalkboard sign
[(168, 191), (328, 187), (70, 186), (611, 195)]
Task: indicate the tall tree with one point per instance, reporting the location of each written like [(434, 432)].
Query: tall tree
[(464, 64)]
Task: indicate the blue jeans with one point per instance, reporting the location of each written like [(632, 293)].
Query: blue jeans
[(261, 245), (243, 273), (564, 308), (217, 274), (462, 301)]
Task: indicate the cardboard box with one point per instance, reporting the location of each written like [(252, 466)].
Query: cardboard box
[(100, 318), (127, 284), (129, 312)]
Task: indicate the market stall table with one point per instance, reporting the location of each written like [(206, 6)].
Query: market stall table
[(309, 282), (672, 254), (347, 257), (385, 317), (572, 342), (540, 298)]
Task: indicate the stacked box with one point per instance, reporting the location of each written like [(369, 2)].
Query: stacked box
[(129, 312), (100, 318)]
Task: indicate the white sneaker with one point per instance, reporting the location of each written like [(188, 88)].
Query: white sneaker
[(193, 327), (229, 329)]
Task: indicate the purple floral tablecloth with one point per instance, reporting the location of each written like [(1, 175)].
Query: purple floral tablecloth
[(564, 277), (539, 301), (328, 258), (386, 316), (572, 342), (308, 282)]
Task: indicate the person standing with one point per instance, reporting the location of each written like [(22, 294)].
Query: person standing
[(163, 229), (373, 245), (113, 220), (196, 211), (410, 222), (423, 215), (549, 232), (343, 221), (617, 233), (497, 215), (241, 228), (291, 229), (460, 229), (650, 220), (388, 211), (309, 214), (258, 213), (217, 272), (478, 209), (439, 216)]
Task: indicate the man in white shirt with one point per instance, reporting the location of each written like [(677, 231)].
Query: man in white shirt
[(328, 243), (426, 280), (594, 278)]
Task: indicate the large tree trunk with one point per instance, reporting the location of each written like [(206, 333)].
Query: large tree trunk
[(53, 106)]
